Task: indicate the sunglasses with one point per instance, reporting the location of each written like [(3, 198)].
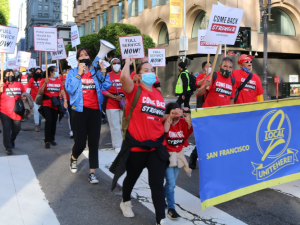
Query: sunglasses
[(248, 61)]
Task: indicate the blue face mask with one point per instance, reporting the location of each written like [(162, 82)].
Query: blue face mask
[(24, 73), (148, 79), (56, 75), (246, 69), (17, 73)]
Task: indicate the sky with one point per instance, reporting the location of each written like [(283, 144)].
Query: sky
[(14, 11)]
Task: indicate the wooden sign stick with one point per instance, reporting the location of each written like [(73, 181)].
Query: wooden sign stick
[(46, 65), (61, 71), (2, 58), (215, 61), (134, 65), (207, 65)]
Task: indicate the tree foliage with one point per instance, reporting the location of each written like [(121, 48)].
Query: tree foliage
[(111, 33), (4, 12)]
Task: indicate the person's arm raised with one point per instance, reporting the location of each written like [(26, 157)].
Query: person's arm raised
[(125, 79)]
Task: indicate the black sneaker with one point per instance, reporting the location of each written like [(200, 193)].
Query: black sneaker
[(9, 151), (13, 144), (93, 179), (47, 145), (73, 165), (172, 214), (193, 162), (53, 143)]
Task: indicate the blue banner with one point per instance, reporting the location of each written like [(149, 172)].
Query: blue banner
[(246, 148)]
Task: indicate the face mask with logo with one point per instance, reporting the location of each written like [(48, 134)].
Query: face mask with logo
[(225, 73), (116, 67), (24, 73), (56, 75), (246, 69), (148, 79)]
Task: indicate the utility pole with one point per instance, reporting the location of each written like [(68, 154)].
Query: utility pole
[(183, 42), (265, 14)]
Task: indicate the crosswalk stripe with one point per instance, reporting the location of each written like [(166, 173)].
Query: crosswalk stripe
[(21, 199), (188, 206), (291, 189)]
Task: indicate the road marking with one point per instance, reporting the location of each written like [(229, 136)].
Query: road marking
[(21, 199), (188, 206)]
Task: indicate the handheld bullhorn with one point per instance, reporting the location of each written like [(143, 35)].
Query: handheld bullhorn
[(105, 48)]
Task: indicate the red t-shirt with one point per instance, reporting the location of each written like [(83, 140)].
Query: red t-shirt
[(113, 104), (34, 85), (67, 95), (176, 137), (251, 90), (200, 77), (146, 120), (24, 80), (220, 92), (133, 73), (7, 100), (52, 89), (90, 98)]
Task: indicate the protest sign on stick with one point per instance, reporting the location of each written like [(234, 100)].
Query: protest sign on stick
[(72, 61), (157, 57), (224, 24), (45, 40), (48, 65), (61, 51), (132, 46), (8, 38), (75, 36), (11, 64), (23, 59), (205, 47), (32, 63), (215, 62)]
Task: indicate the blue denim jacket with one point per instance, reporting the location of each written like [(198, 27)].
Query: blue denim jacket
[(74, 87)]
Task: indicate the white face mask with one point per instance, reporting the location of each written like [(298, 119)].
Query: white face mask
[(209, 70), (117, 67)]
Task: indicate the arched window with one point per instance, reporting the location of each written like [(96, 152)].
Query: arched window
[(163, 37), (280, 23), (201, 22)]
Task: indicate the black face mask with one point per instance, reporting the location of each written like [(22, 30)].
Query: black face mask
[(37, 75), (225, 73), (86, 61), (10, 78)]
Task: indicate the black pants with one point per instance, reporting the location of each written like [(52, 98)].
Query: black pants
[(11, 129), (70, 113), (194, 153), (51, 116), (86, 125), (136, 162), (186, 101)]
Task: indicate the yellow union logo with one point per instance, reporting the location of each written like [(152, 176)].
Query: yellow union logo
[(273, 136)]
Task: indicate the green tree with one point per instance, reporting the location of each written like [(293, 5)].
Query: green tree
[(4, 12)]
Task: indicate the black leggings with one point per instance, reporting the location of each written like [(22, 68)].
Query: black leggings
[(86, 125), (186, 100), (51, 116), (11, 129), (136, 162)]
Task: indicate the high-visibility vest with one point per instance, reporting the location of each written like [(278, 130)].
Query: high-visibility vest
[(179, 85)]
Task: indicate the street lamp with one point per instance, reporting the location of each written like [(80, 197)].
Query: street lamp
[(265, 14)]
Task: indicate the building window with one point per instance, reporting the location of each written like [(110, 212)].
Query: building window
[(121, 10), (93, 25), (105, 18), (56, 16), (46, 15), (114, 14), (65, 17), (136, 6), (280, 23), (39, 14), (163, 37), (40, 0), (46, 7), (158, 2), (100, 21), (201, 22), (40, 7)]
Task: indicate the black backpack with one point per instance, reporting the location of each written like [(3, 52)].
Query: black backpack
[(192, 83)]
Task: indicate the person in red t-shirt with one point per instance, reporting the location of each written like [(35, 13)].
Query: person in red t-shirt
[(11, 122), (24, 79), (113, 110), (200, 80), (222, 90), (51, 88), (33, 88), (253, 90), (144, 141), (135, 79), (177, 132)]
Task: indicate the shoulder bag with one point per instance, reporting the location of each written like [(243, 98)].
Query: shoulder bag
[(19, 105), (242, 86)]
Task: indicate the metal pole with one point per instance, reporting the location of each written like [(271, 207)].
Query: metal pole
[(267, 95), (184, 24)]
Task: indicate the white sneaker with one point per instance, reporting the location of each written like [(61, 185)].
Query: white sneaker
[(162, 222), (126, 208), (93, 179), (71, 134), (117, 150)]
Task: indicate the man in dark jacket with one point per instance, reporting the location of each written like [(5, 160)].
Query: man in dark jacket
[(183, 89)]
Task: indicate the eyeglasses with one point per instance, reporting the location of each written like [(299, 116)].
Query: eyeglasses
[(248, 61)]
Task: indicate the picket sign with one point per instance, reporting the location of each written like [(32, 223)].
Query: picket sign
[(60, 54), (8, 40), (23, 59), (75, 36), (45, 40)]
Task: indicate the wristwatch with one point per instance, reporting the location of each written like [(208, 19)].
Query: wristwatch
[(115, 97)]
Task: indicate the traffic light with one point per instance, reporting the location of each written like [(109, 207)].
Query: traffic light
[(244, 39)]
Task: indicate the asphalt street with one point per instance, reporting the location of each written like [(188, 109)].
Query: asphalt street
[(75, 201)]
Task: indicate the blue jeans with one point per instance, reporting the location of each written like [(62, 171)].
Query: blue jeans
[(171, 177)]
